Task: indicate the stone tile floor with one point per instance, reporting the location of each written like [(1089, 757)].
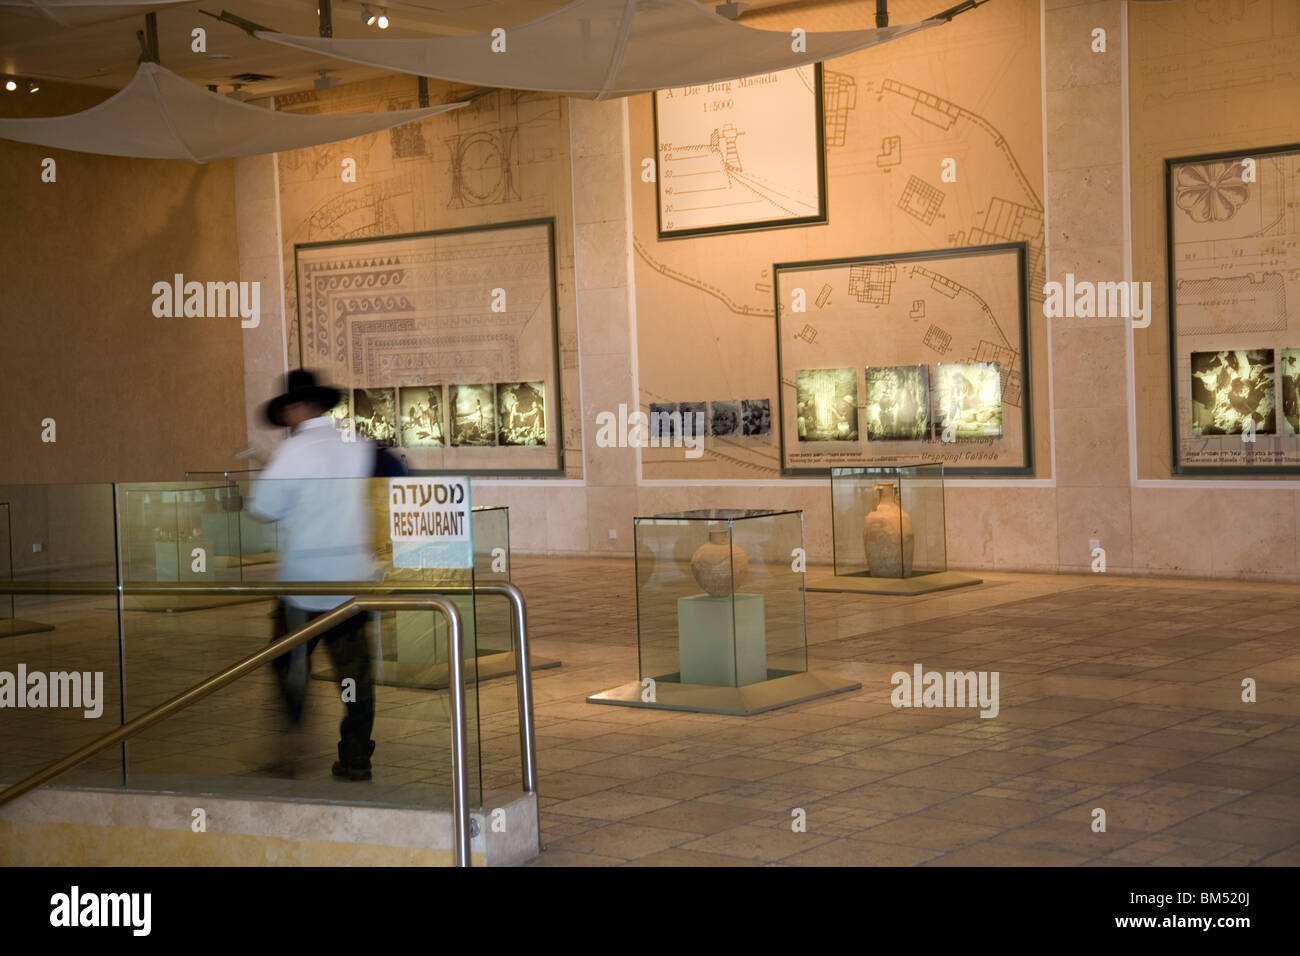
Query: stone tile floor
[(1115, 693), (1123, 694)]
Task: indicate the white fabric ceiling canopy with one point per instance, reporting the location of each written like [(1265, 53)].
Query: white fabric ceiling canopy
[(160, 115), (80, 12), (602, 49)]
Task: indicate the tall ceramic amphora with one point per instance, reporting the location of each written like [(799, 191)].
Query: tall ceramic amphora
[(887, 535), (718, 563)]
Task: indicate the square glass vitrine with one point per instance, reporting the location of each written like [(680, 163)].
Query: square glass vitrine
[(720, 597), (888, 520)]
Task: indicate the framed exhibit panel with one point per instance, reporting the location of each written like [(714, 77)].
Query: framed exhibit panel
[(1234, 345), (745, 154), (445, 344), (894, 358)]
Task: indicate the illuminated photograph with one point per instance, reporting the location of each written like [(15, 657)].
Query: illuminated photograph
[(422, 417), (521, 413), (898, 403), (375, 414), (827, 404), (1230, 389), (1290, 382), (473, 414), (968, 400)]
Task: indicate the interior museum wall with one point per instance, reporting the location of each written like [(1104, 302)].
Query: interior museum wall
[(134, 397), (1201, 81), (969, 92), (1062, 110), (502, 159)]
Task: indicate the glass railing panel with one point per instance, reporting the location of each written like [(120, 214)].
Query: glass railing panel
[(60, 685), (278, 732)]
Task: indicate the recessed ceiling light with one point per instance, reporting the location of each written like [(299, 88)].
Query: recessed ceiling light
[(11, 85)]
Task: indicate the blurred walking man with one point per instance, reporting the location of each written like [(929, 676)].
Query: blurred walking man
[(314, 486)]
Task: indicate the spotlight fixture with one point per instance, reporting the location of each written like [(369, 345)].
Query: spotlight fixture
[(325, 82), (383, 18), (32, 86), (11, 85), (367, 17)]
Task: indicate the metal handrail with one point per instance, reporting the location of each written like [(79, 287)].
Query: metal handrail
[(421, 599)]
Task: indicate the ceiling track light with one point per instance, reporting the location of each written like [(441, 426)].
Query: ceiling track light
[(33, 86), (383, 18), (367, 17), (11, 85)]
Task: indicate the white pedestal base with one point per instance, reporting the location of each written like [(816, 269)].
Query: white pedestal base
[(714, 649)]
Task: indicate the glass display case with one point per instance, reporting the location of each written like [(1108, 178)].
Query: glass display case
[(888, 521), (888, 533), (718, 600), (721, 623)]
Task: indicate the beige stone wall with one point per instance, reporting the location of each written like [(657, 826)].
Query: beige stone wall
[(134, 397), (1080, 125)]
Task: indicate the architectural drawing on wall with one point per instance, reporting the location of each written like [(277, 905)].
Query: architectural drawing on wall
[(918, 310), (921, 200), (974, 397), (872, 284), (708, 291), (891, 152), (937, 339), (746, 154), (1234, 254), (1003, 219), (841, 96), (422, 309), (483, 168)]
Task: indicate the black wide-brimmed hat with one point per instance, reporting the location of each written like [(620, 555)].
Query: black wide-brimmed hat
[(300, 386)]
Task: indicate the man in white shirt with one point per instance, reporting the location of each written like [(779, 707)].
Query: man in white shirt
[(315, 486)]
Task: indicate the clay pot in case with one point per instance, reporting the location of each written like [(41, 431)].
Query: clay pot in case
[(887, 535), (716, 566)]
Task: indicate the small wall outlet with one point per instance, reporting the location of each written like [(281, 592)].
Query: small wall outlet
[(1093, 544), (37, 548), (612, 534)]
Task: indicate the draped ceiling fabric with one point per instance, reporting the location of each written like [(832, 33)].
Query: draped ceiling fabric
[(160, 115), (603, 49), (82, 12)]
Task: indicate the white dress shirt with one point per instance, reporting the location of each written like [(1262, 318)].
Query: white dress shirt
[(315, 486)]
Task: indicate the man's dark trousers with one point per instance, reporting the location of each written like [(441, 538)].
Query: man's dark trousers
[(346, 644)]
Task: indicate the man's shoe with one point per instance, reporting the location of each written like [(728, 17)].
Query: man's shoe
[(354, 760), (340, 769)]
